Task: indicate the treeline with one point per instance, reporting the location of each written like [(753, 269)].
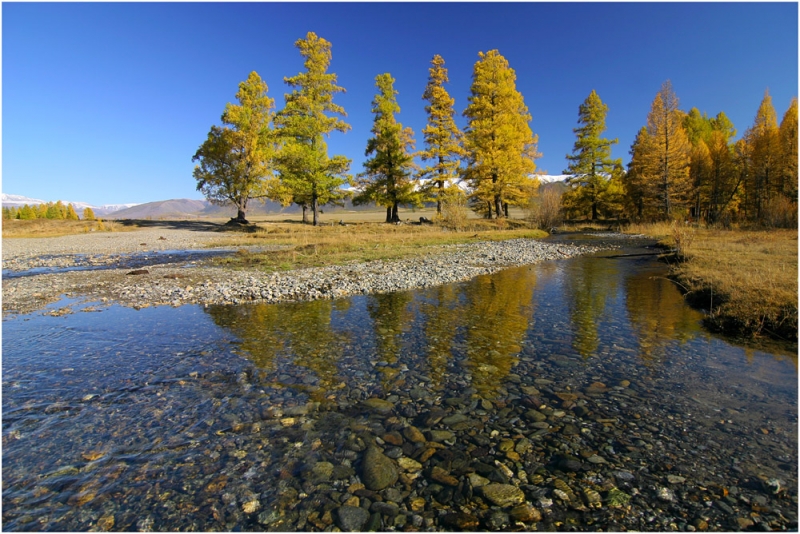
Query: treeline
[(51, 210), (282, 155), (686, 166), (683, 165)]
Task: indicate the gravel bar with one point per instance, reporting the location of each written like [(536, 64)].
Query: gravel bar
[(169, 284)]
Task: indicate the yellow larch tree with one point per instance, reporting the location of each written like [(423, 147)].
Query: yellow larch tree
[(501, 148)]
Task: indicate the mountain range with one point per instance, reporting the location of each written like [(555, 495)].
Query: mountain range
[(191, 209)]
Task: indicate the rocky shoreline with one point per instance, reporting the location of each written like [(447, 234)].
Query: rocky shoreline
[(197, 282)]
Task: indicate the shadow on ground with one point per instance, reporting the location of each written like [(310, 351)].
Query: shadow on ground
[(198, 226)]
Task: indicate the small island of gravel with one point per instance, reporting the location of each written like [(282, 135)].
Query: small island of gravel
[(98, 267)]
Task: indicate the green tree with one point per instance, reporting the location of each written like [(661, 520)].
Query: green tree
[(443, 139), (386, 179), (41, 211), (26, 213), (235, 161), (501, 148), (310, 177), (590, 164), (88, 214), (71, 215), (54, 210)]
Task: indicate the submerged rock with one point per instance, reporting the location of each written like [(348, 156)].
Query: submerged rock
[(378, 471)]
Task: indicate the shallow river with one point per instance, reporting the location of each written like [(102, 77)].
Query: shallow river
[(572, 395)]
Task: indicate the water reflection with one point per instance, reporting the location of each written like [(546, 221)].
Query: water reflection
[(658, 313), (391, 315), (588, 288), (499, 309), (300, 332)]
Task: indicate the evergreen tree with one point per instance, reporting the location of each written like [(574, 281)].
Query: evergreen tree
[(590, 164), (388, 171), (443, 139), (236, 159), (308, 175), (88, 214), (499, 142)]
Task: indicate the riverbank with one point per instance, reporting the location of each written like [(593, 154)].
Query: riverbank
[(206, 281), (744, 280)]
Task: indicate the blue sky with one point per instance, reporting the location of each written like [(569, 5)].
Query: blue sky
[(108, 102)]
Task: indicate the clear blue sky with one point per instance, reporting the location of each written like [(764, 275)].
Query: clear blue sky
[(108, 102)]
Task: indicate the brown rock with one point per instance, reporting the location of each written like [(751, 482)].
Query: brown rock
[(460, 521), (393, 438), (525, 513), (413, 434), (440, 475)]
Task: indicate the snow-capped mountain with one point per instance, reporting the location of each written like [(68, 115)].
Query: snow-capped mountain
[(18, 201), (549, 178)]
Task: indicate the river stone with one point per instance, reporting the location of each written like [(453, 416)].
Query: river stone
[(535, 415), (378, 471), (525, 513), (503, 495), (570, 464), (381, 406), (407, 464), (443, 477), (455, 419), (675, 479), (413, 434), (441, 435), (322, 471), (460, 521), (476, 480), (595, 459), (351, 518)]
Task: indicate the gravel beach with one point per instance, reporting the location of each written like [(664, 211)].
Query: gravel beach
[(102, 263)]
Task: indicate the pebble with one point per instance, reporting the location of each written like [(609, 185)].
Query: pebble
[(379, 471), (503, 495)]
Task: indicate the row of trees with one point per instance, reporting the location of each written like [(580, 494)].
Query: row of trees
[(687, 165), (283, 156), (51, 210)]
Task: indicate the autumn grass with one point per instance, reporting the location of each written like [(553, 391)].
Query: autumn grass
[(746, 278), (56, 228), (309, 246)]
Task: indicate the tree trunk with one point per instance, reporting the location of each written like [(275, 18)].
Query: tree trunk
[(240, 216), (395, 217), (305, 213), (389, 214), (439, 198), (594, 211), (505, 209), (314, 207), (498, 206)]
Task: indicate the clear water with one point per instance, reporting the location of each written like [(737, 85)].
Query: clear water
[(174, 418)]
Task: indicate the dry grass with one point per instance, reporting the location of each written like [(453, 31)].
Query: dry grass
[(746, 278), (57, 228), (308, 246)]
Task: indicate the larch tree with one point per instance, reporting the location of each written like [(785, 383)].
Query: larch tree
[(236, 159), (500, 146), (71, 215), (667, 164), (590, 163), (788, 159), (764, 140), (308, 175), (88, 214), (443, 138), (635, 179), (387, 177)]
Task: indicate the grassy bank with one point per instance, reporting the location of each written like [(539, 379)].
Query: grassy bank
[(56, 228), (308, 246), (746, 278)]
